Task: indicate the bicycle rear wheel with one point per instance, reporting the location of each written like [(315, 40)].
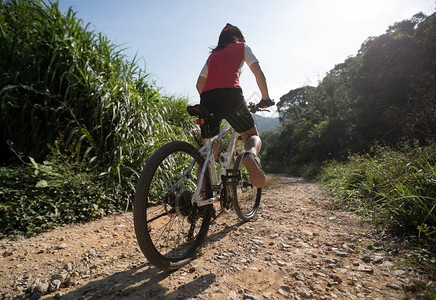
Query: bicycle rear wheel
[(169, 229), (246, 197)]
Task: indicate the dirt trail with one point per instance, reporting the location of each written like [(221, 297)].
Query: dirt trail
[(296, 248)]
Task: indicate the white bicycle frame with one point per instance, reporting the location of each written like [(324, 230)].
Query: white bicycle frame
[(225, 160)]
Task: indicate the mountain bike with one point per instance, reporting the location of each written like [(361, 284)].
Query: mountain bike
[(175, 195)]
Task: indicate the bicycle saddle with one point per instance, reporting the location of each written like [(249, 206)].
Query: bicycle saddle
[(198, 110)]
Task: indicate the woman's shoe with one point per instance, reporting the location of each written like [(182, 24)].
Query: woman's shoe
[(253, 166)]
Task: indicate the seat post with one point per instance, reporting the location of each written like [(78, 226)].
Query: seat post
[(204, 127)]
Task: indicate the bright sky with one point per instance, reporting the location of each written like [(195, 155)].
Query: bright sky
[(296, 41)]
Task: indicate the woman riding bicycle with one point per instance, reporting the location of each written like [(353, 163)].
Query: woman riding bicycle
[(221, 94)]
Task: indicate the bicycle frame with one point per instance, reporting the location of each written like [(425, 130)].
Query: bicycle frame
[(207, 152)]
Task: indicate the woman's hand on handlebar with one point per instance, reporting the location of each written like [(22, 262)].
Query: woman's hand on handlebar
[(264, 103)]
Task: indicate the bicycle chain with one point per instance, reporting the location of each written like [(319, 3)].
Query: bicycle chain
[(192, 218)]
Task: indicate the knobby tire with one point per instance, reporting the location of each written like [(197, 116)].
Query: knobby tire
[(177, 229), (246, 197)]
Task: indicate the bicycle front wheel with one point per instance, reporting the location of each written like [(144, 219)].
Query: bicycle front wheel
[(246, 197), (169, 229)]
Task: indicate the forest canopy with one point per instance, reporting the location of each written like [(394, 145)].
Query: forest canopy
[(384, 94)]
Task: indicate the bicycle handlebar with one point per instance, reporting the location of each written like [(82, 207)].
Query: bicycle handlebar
[(261, 106)]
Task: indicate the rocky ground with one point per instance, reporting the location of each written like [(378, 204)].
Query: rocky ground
[(296, 248)]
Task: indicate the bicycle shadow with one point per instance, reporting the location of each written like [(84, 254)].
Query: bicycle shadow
[(139, 283), (218, 235), (144, 282)]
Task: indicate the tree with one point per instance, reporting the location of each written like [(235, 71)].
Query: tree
[(386, 93)]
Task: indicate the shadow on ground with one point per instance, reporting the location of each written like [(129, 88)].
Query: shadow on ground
[(140, 283), (144, 282)]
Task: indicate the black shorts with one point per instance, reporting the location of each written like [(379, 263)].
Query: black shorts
[(228, 104)]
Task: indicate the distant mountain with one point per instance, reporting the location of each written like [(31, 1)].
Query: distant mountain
[(265, 123)]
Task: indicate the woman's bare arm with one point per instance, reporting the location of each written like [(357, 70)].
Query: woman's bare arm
[(260, 79)]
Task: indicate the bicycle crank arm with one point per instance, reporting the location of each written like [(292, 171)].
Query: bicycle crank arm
[(208, 201)]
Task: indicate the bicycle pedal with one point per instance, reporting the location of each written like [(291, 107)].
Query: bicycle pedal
[(232, 177)]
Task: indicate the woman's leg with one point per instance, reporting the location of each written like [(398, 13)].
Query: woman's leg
[(252, 141), (253, 144)]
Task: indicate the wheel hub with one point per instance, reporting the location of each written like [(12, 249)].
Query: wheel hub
[(182, 203)]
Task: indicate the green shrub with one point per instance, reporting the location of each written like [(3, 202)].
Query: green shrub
[(396, 187), (36, 197)]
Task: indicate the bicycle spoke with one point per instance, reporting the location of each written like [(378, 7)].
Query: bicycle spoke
[(157, 217)]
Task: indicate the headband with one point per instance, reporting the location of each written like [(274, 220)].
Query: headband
[(228, 28)]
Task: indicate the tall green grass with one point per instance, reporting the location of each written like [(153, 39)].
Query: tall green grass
[(58, 76), (61, 82), (396, 188)]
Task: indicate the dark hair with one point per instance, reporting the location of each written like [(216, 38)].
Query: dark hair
[(227, 36)]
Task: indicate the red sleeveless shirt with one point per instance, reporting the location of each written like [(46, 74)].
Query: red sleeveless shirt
[(223, 66)]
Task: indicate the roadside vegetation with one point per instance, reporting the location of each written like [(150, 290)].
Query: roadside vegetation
[(395, 189), (78, 120)]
